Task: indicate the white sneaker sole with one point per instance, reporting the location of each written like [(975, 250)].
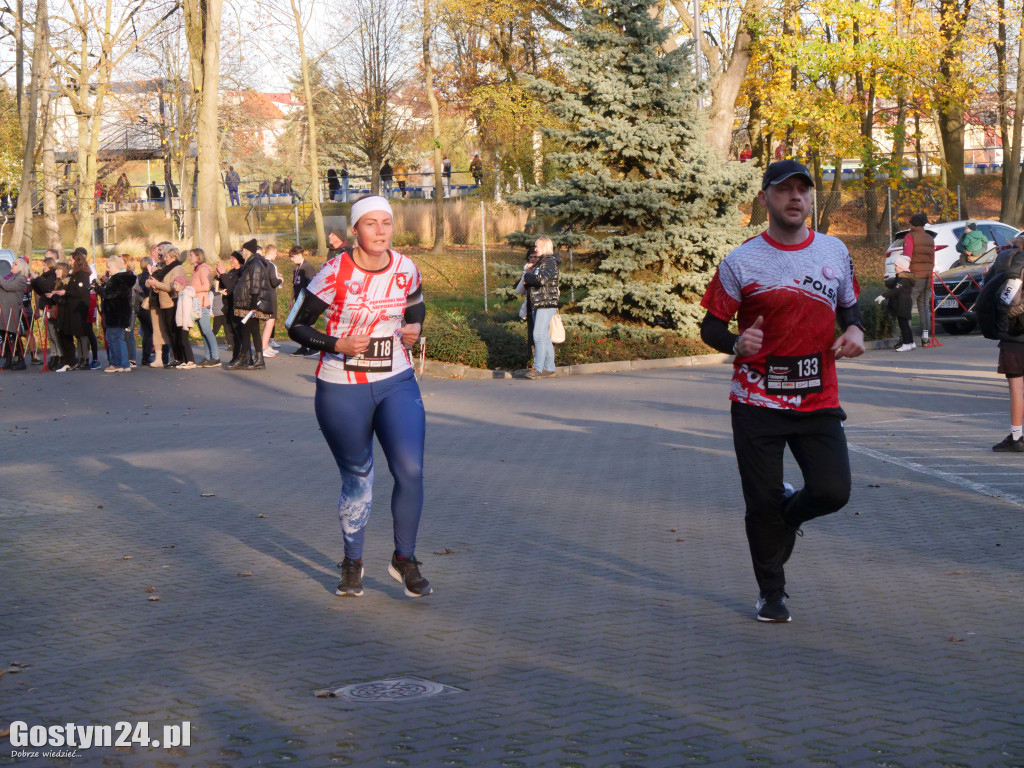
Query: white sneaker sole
[(765, 620), (398, 577), (340, 593)]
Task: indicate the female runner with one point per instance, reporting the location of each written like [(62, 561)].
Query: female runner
[(365, 385)]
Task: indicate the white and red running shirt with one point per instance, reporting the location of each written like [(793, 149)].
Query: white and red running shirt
[(366, 304), (796, 289)]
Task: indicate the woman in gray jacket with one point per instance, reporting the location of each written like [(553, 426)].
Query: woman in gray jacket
[(12, 296)]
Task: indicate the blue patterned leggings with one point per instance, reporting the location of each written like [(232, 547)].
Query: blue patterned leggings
[(349, 415)]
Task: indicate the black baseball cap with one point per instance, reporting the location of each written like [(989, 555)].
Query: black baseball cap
[(781, 170)]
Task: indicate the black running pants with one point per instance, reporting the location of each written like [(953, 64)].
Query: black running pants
[(818, 444)]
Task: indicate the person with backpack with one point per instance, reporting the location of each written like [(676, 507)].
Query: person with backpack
[(1000, 314)]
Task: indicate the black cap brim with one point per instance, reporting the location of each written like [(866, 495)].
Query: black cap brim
[(782, 178)]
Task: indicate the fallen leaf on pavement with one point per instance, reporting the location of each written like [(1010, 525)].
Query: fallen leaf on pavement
[(324, 693), (153, 598), (246, 573)]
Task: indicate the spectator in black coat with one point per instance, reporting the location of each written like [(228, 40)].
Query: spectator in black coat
[(301, 277), (115, 290), (254, 301), (227, 281), (73, 314)]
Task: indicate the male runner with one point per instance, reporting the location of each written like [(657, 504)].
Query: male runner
[(787, 287)]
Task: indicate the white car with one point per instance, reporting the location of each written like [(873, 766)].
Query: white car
[(946, 235)]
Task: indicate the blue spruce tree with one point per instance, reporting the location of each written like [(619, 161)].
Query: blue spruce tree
[(636, 187)]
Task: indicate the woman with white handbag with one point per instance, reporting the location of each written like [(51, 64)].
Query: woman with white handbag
[(541, 282)]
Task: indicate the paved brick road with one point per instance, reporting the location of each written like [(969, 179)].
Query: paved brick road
[(595, 602)]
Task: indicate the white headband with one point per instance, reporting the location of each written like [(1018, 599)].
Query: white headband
[(368, 205)]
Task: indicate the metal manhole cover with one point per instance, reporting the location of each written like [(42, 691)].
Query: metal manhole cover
[(394, 689)]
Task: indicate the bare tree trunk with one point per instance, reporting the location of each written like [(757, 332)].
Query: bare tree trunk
[(755, 130), (951, 133), (47, 105), (185, 181), (900, 129), (1018, 137), (19, 64), (314, 159), (21, 238), (726, 86), (834, 199), (1012, 210), (1002, 96), (87, 116), (93, 150), (207, 16), (435, 118), (917, 144), (950, 109), (83, 192), (900, 135), (943, 165)]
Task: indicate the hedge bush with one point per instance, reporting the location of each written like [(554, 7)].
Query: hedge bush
[(451, 339), (497, 340), (879, 323)]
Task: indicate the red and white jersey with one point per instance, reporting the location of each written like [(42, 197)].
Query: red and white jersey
[(366, 304), (796, 289)]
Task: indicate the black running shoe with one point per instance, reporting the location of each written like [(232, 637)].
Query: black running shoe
[(351, 584), (408, 572), (1009, 445), (772, 608)]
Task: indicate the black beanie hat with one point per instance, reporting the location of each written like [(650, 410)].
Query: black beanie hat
[(251, 246)]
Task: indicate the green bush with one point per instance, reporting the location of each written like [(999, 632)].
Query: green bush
[(497, 341), (451, 339), (879, 323), (583, 347), (505, 336)]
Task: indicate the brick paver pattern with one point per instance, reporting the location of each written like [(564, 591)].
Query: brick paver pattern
[(593, 591)]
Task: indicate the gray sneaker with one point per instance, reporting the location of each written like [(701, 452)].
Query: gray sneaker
[(407, 571), (351, 584), (772, 608)]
